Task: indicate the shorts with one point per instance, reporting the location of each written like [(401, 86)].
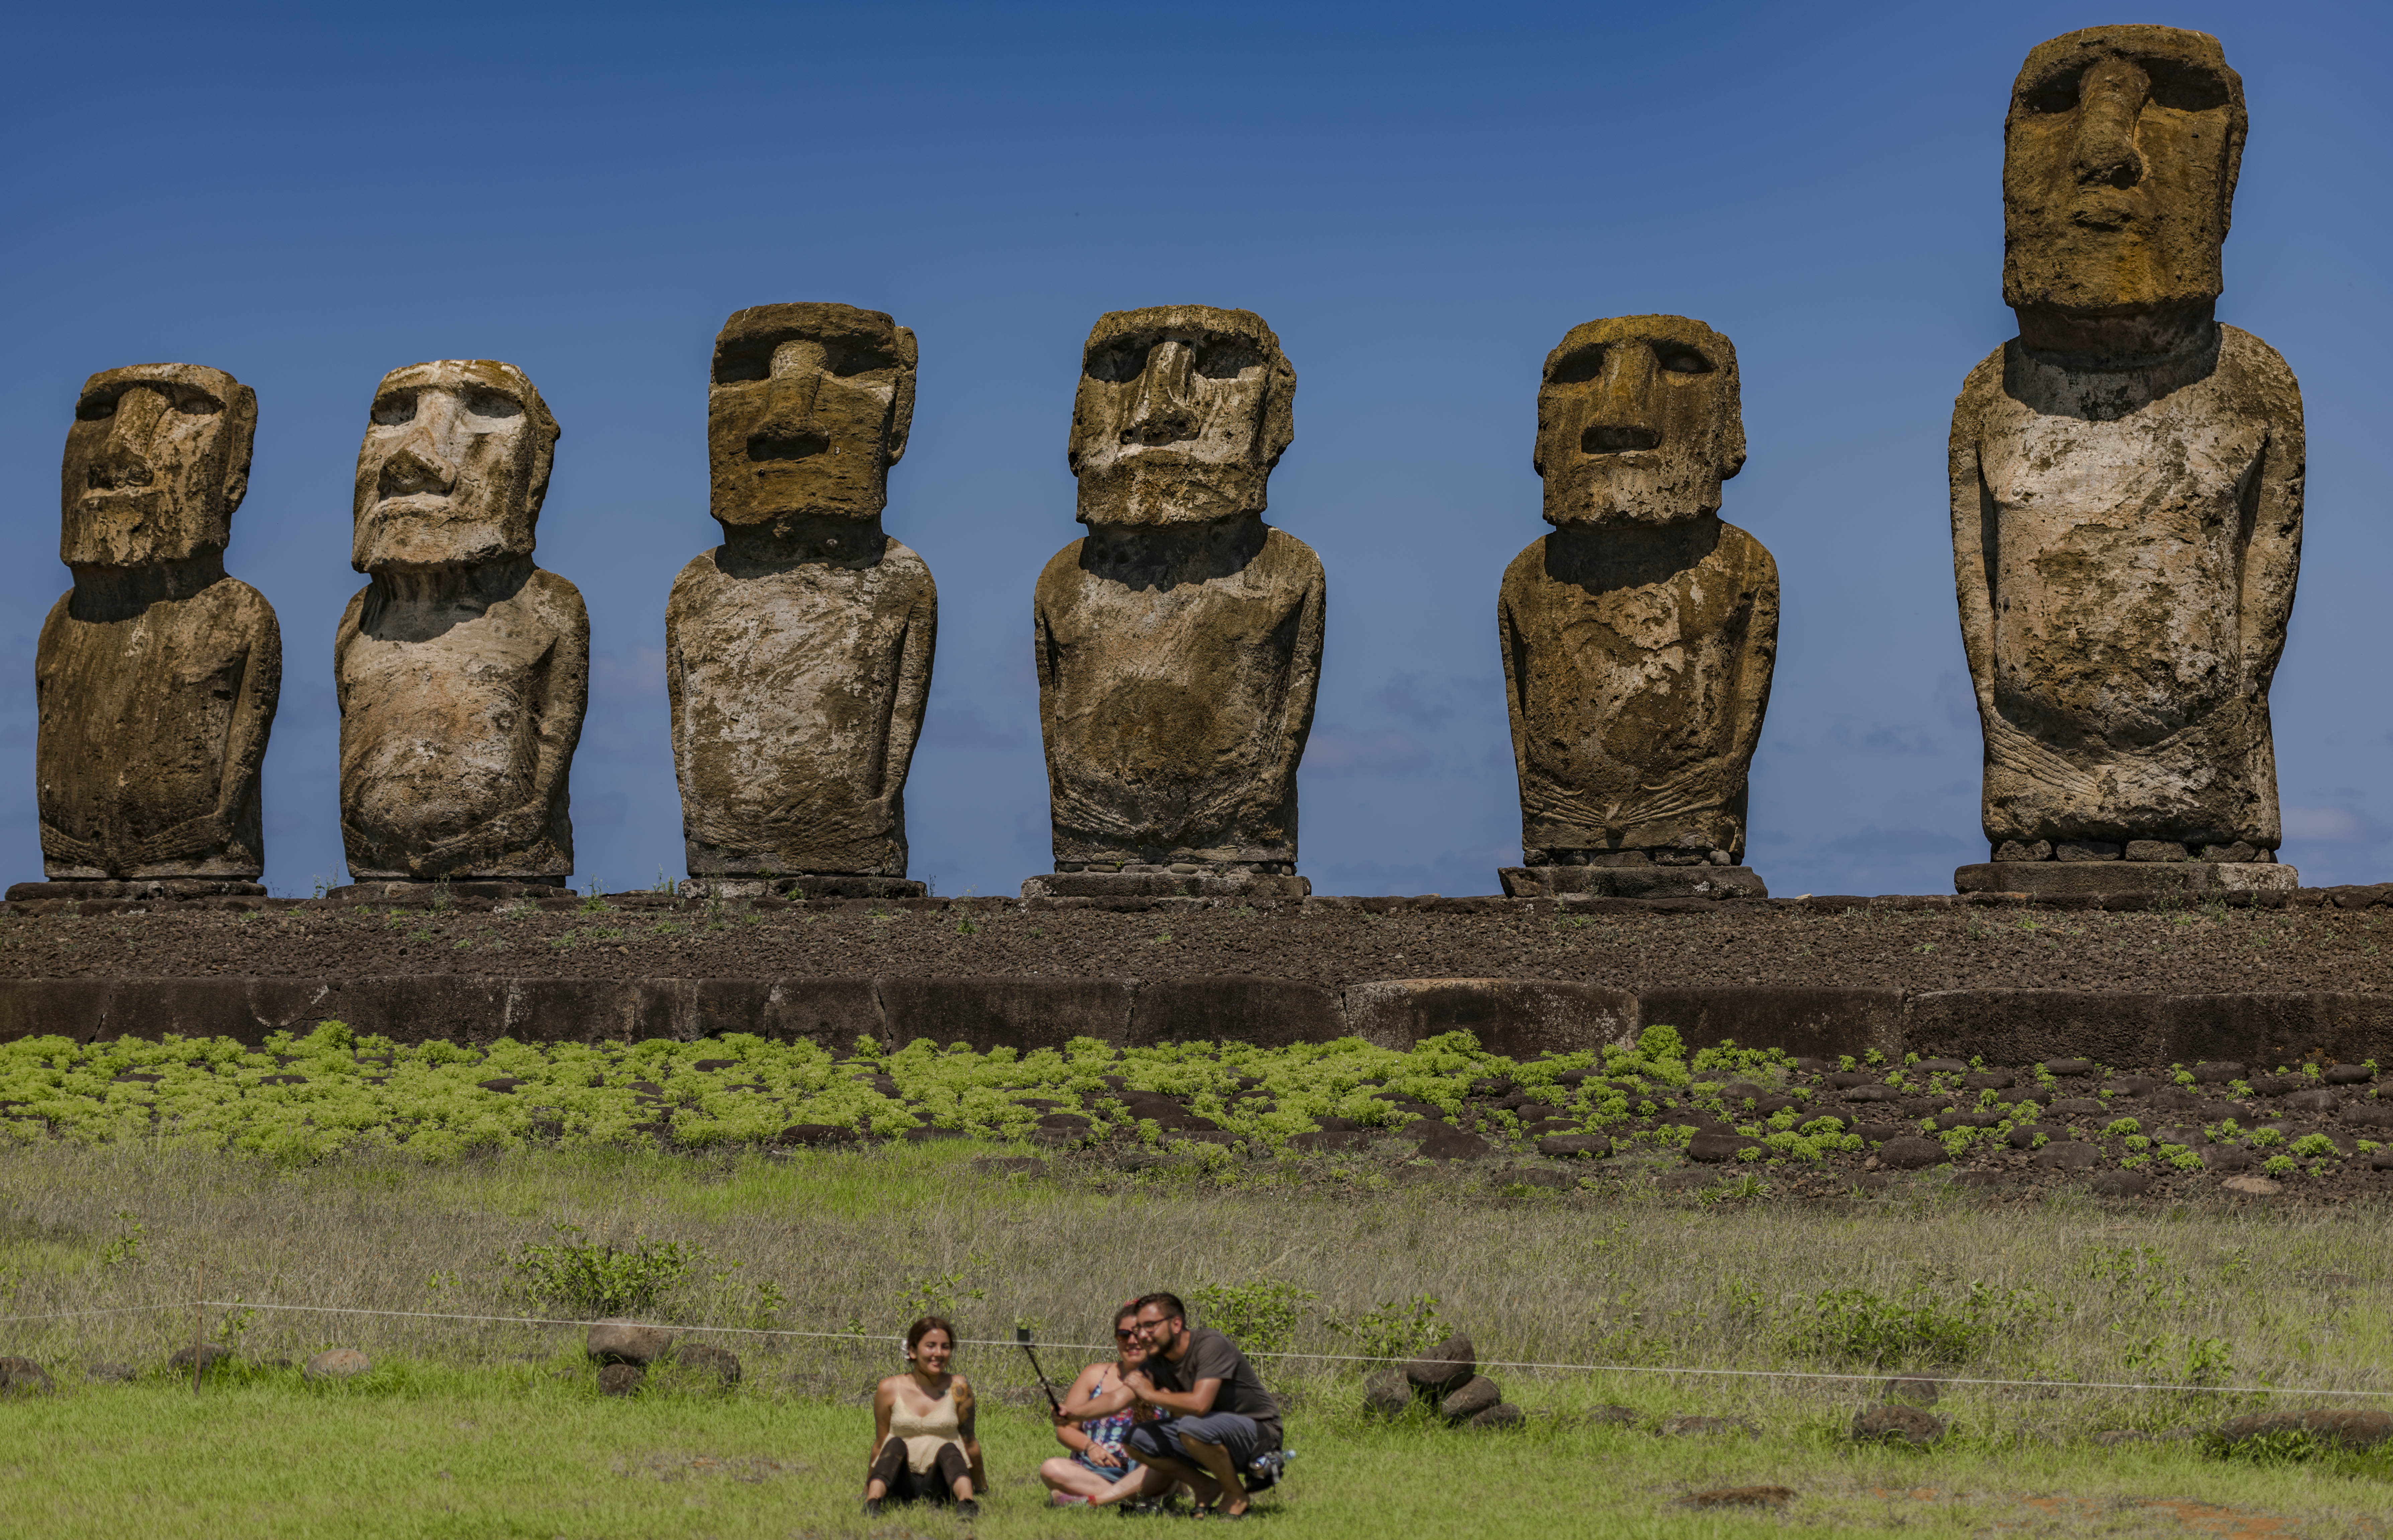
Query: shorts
[(1110, 1472), (1241, 1435), (908, 1485)]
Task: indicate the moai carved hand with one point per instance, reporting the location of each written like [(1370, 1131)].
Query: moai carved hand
[(1178, 643), (156, 676), (462, 670), (1639, 638), (798, 652), (2126, 485)]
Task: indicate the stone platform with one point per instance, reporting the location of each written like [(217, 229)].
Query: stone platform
[(140, 888), (436, 892), (1627, 882), (1166, 884), (803, 886), (2149, 878)]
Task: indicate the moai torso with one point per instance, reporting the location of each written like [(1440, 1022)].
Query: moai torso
[(798, 653), (444, 734), (1638, 690), (1175, 712), (462, 670), (2126, 475), (1179, 644), (156, 678), (799, 694)]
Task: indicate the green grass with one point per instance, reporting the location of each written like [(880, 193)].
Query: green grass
[(530, 1450)]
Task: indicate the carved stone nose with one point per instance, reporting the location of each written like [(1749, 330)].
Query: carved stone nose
[(1162, 412), (124, 461), (2110, 100), (408, 471)]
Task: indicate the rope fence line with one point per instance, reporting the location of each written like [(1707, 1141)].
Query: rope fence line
[(1330, 1358)]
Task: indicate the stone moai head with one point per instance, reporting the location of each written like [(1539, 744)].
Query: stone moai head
[(1638, 422), (454, 468), (156, 463), (2119, 162), (1182, 412), (808, 408)]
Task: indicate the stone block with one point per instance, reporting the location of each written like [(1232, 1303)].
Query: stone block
[(1010, 1013), (1256, 886), (1271, 1013), (1647, 881), (2090, 879), (1517, 1017), (1824, 1023)]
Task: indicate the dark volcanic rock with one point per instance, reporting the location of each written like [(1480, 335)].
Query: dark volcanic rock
[(1443, 1368), (621, 1379), (23, 1377), (1911, 1153), (1388, 1394), (1469, 1399), (1502, 1414), (1897, 1424), (2357, 1429), (2348, 1075), (1443, 1142), (1713, 1148), (627, 1342), (2069, 1156), (1575, 1147), (1916, 1390), (2067, 1066), (706, 1358), (2120, 1184)]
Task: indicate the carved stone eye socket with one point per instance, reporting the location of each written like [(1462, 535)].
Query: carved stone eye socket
[(846, 363), (192, 404), (1683, 360), (486, 403), (1579, 368), (1118, 363), (1227, 358), (2177, 85), (393, 411), (96, 409)]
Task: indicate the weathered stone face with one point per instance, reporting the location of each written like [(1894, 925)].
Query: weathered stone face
[(1179, 645), (463, 671), (156, 463), (1640, 637), (809, 407), (2119, 162), (1182, 412), (1638, 422), (156, 678), (453, 469), (798, 653), (2126, 477)]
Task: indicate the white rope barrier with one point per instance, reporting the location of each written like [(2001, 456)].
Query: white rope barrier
[(1325, 1358)]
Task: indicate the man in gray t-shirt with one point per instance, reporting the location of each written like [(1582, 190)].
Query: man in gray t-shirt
[(1220, 1415)]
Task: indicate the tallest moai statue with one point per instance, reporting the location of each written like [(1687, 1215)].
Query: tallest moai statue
[(2126, 490)]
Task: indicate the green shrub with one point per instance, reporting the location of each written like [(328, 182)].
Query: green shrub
[(1862, 1326), (1393, 1329), (1259, 1316), (593, 1278)]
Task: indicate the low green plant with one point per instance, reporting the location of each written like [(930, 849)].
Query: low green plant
[(1392, 1328), (584, 1277), (1259, 1315), (1916, 1328)]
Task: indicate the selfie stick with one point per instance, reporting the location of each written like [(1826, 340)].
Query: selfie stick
[(1022, 1335)]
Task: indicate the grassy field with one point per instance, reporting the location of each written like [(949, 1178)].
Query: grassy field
[(481, 1428)]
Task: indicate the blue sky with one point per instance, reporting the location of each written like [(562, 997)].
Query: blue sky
[(1420, 198)]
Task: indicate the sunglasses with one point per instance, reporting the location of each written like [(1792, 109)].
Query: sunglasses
[(1118, 1334)]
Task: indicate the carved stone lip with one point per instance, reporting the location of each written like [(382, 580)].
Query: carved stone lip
[(415, 503)]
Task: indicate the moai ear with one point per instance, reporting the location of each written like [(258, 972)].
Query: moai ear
[(1728, 442), (241, 439), (1279, 407), (901, 410)]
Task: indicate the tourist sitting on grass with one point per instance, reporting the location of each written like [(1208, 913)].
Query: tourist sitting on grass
[(922, 1445), (1218, 1419), (1097, 1470)]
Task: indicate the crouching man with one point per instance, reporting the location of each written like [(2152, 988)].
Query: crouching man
[(1210, 1415)]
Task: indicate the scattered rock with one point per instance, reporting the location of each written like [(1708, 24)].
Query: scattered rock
[(1714, 1148), (1940, 1067), (1894, 1423), (2280, 1085), (2227, 1158), (706, 1358), (1911, 1153), (628, 1342), (1990, 1079), (1028, 1166), (109, 1373), (2068, 1155), (1918, 1389), (1872, 1093), (2312, 1101), (1444, 1367), (23, 1377), (336, 1363), (926, 1133), (1469, 1399), (1575, 1147), (2257, 1187), (2067, 1066), (1502, 1414), (503, 1083), (2120, 1184), (1853, 1079), (1741, 1496), (2132, 1085), (1389, 1394), (2369, 1114), (2355, 1429), (621, 1379), (2024, 1138), (2077, 1106), (1683, 1428), (1443, 1141), (1613, 1415), (2381, 1161), (211, 1354), (2216, 1074), (2348, 1075)]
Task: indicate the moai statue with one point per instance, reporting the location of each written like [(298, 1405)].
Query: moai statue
[(462, 670), (2126, 490), (156, 676), (1639, 636), (798, 652), (1179, 642)]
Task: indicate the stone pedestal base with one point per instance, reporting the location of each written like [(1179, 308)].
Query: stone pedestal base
[(1704, 882), (157, 887), (1166, 884), (2088, 879), (426, 893), (817, 885)]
